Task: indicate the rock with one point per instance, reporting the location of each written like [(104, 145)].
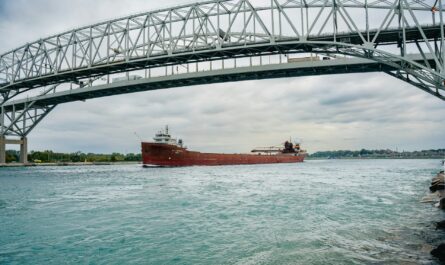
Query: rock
[(442, 203), (439, 252), (432, 197), (437, 187), (426, 248), (437, 181), (440, 225)]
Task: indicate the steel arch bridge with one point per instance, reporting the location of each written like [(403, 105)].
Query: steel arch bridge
[(220, 41)]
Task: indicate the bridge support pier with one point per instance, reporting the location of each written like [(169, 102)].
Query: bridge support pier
[(2, 149), (23, 142), (24, 150)]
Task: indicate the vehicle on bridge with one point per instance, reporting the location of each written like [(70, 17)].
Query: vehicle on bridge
[(304, 59), (166, 151)]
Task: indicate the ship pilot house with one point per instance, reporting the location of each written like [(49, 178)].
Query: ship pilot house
[(163, 137)]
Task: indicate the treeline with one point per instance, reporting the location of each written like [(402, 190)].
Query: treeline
[(384, 153), (49, 156)]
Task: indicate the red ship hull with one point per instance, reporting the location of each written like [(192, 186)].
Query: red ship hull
[(155, 154)]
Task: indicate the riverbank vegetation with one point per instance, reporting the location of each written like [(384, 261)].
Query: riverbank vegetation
[(376, 154), (49, 156)]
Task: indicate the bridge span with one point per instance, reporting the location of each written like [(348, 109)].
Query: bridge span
[(220, 41)]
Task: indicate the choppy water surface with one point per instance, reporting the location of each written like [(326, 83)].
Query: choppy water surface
[(317, 212)]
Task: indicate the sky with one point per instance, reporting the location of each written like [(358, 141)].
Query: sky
[(336, 112)]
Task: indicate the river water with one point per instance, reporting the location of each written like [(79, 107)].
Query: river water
[(316, 212)]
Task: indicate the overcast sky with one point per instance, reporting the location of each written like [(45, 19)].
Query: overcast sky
[(354, 111)]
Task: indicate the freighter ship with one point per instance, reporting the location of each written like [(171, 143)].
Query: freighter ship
[(166, 151)]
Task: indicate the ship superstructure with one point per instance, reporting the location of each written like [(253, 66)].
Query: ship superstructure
[(163, 137)]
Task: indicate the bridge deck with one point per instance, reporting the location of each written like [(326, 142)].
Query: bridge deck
[(336, 66), (283, 44)]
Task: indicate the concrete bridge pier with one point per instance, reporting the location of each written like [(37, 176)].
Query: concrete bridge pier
[(23, 142), (2, 150), (24, 150)]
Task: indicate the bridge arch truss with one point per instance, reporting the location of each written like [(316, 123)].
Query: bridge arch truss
[(403, 38)]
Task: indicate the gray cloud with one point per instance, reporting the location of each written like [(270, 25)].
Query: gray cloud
[(328, 112)]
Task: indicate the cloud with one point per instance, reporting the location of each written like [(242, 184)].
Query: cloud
[(351, 111)]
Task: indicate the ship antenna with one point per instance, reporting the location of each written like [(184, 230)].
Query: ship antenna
[(166, 129), (137, 135)]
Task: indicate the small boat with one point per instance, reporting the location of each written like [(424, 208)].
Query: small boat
[(169, 152)]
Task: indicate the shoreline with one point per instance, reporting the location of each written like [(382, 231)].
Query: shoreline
[(53, 164), (436, 197), (365, 158)]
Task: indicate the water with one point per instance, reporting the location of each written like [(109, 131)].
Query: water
[(317, 212)]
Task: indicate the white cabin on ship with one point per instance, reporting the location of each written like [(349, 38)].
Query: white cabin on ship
[(163, 137)]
